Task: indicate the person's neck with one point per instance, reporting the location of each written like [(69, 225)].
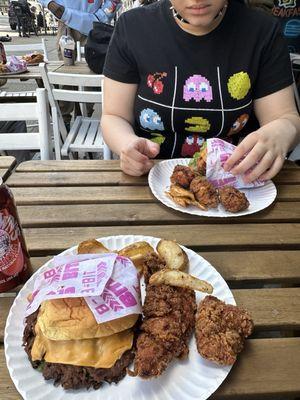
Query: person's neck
[(201, 30)]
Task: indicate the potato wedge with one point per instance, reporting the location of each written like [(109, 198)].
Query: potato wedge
[(180, 279), (92, 247), (137, 252), (174, 256)]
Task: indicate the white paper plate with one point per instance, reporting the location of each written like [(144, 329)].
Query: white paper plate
[(21, 71), (159, 182), (194, 378)]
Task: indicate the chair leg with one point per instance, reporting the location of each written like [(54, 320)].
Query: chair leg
[(43, 115), (107, 155), (56, 133)]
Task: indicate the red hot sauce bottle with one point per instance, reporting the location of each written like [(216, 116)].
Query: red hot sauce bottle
[(15, 267)]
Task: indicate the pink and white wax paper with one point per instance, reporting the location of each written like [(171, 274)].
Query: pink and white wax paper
[(16, 64), (108, 283), (121, 295), (218, 152)]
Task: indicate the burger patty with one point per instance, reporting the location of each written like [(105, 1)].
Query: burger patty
[(72, 376)]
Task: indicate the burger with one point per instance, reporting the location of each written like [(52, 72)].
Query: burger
[(63, 340)]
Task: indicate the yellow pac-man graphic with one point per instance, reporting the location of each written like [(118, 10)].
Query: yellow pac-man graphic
[(157, 138), (239, 85), (198, 124)]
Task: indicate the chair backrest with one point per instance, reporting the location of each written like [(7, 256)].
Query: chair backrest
[(78, 80), (80, 52), (27, 112), (22, 49)]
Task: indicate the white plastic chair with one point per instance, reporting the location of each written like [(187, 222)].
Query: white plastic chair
[(22, 49), (27, 112), (85, 134)]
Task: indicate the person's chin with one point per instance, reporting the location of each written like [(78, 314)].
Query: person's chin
[(200, 21)]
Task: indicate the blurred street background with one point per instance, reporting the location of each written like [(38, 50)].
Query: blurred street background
[(5, 29)]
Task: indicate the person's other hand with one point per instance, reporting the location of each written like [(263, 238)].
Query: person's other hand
[(264, 151), (56, 9), (136, 157)]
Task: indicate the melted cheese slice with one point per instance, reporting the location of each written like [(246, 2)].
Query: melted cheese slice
[(98, 353)]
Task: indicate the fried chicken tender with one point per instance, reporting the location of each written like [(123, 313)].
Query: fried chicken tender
[(221, 330), (204, 192), (168, 324), (152, 263), (232, 199), (182, 175)]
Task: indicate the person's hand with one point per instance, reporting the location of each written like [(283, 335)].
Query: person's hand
[(136, 157), (264, 151), (56, 9)]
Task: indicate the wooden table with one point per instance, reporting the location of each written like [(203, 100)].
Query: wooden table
[(53, 66), (64, 202), (33, 71), (6, 165)]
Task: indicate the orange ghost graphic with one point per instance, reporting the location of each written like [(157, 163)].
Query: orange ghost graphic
[(238, 125)]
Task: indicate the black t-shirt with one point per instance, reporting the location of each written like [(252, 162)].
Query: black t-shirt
[(195, 87)]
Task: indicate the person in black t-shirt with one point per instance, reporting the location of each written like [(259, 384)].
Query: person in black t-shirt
[(181, 71)]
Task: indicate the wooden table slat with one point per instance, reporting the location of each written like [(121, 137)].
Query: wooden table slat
[(286, 236), (92, 178), (68, 165), (84, 195), (243, 266), (267, 367), (111, 194), (88, 165), (4, 173), (7, 162), (271, 309), (140, 214), (80, 178)]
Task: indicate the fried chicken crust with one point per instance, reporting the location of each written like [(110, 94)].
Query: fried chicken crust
[(182, 176), (233, 200), (152, 263), (205, 193), (221, 330), (169, 322)]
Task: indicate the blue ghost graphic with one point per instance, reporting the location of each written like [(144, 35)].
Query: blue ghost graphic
[(149, 119)]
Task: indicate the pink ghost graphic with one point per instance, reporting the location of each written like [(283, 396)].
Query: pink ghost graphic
[(197, 87)]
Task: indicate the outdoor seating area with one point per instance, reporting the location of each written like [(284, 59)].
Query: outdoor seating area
[(85, 133), (150, 200)]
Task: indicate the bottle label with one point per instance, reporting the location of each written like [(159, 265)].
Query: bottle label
[(68, 53), (11, 254)]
